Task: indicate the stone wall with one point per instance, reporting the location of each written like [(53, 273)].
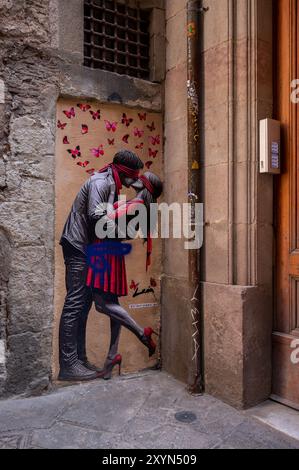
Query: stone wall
[(238, 251), (69, 177), (30, 71), (41, 57)]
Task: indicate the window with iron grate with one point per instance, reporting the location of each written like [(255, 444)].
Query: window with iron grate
[(116, 37)]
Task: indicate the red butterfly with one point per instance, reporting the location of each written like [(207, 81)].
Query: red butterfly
[(91, 171), (110, 141), (153, 282), (111, 126), (61, 125), (138, 132), (125, 138), (84, 129), (69, 113), (133, 285), (125, 120), (142, 117), (97, 152), (139, 146), (83, 164), (151, 127), (76, 152), (155, 140), (84, 107), (148, 164), (152, 153), (96, 114), (65, 140)]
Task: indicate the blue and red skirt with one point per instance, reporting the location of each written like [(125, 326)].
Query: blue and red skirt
[(108, 273)]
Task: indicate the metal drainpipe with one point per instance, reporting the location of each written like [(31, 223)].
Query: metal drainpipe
[(196, 379)]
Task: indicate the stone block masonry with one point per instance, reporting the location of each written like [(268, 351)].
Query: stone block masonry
[(30, 72)]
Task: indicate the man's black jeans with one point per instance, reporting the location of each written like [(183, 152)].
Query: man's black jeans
[(77, 304)]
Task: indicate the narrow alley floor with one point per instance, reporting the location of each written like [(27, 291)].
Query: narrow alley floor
[(128, 412)]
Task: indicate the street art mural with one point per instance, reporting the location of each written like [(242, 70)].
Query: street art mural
[(88, 136)]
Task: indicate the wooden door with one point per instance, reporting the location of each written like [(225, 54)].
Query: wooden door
[(286, 321)]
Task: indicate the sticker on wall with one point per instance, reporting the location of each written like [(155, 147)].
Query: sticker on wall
[(149, 305), (191, 29)]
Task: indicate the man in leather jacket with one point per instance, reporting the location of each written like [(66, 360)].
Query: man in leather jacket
[(78, 233)]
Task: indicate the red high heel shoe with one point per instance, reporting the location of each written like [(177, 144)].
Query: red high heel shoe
[(147, 340), (109, 367)]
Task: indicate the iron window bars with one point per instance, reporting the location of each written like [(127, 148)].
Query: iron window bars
[(116, 37)]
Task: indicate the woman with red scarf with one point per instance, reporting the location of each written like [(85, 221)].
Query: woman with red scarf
[(111, 284)]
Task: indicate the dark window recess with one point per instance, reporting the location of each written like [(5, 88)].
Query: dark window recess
[(116, 38)]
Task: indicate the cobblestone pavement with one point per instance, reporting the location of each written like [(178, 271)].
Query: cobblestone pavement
[(128, 412)]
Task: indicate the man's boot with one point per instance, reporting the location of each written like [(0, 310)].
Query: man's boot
[(77, 372), (71, 368)]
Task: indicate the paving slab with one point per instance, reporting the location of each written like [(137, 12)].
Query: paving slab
[(137, 411), (277, 416), (36, 412)]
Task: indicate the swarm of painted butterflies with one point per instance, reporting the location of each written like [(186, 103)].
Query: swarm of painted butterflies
[(61, 125)]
